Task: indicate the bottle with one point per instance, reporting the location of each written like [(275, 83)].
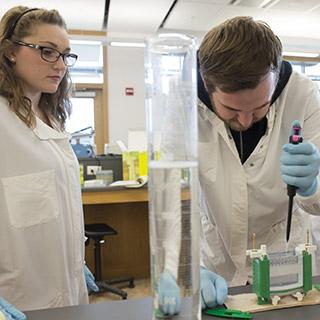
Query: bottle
[(171, 118), (81, 175)]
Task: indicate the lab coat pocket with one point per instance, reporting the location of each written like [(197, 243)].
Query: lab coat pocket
[(31, 199), (207, 161), (211, 244)]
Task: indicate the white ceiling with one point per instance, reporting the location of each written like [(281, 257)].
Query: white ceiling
[(297, 22), (79, 14)]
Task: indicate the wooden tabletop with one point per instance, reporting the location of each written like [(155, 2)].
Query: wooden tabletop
[(114, 195), (119, 195)]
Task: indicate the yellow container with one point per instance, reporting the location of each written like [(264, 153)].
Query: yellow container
[(81, 174), (143, 163), (134, 164)]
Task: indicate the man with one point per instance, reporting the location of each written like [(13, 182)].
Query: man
[(248, 99)]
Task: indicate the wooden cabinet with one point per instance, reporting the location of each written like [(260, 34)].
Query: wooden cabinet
[(126, 210)]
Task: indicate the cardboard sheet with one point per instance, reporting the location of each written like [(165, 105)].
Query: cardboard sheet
[(248, 302)]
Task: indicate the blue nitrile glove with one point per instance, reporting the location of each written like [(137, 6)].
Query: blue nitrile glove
[(10, 312), (91, 285), (213, 289), (300, 167), (169, 294)]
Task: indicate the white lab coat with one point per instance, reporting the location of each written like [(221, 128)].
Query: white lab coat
[(238, 200), (41, 217)]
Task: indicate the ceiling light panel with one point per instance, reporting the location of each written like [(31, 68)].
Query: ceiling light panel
[(295, 5), (300, 54), (250, 3)]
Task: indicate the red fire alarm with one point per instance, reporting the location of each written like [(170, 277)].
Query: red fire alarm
[(129, 91)]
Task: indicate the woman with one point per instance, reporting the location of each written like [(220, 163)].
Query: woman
[(41, 229)]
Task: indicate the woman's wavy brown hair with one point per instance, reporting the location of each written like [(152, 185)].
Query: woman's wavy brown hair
[(56, 105), (238, 53)]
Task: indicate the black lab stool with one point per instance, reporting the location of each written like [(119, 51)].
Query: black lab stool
[(97, 232)]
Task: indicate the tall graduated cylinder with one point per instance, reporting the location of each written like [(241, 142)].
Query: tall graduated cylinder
[(171, 113)]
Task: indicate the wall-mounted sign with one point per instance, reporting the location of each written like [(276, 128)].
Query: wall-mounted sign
[(129, 91)]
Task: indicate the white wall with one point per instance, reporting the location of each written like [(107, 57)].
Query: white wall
[(125, 69)]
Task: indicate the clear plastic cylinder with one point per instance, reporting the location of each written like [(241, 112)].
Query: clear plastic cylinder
[(171, 113)]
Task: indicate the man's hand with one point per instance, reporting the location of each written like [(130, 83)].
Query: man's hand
[(300, 167), (169, 294), (213, 289)]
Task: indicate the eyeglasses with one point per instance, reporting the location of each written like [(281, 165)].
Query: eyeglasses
[(51, 55)]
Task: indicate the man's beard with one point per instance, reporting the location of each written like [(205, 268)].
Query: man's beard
[(236, 126), (234, 123)]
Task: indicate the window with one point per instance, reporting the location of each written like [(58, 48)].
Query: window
[(90, 104), (81, 122), (173, 65), (297, 67), (89, 66), (311, 69)]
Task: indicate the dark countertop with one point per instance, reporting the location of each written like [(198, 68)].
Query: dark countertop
[(141, 309)]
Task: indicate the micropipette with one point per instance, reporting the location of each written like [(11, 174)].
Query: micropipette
[(295, 138)]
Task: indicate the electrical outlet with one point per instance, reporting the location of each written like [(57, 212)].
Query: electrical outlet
[(92, 170)]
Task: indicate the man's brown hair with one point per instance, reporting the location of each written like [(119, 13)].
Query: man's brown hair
[(238, 53)]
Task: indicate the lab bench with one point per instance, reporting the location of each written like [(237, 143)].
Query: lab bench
[(141, 309), (111, 195)]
